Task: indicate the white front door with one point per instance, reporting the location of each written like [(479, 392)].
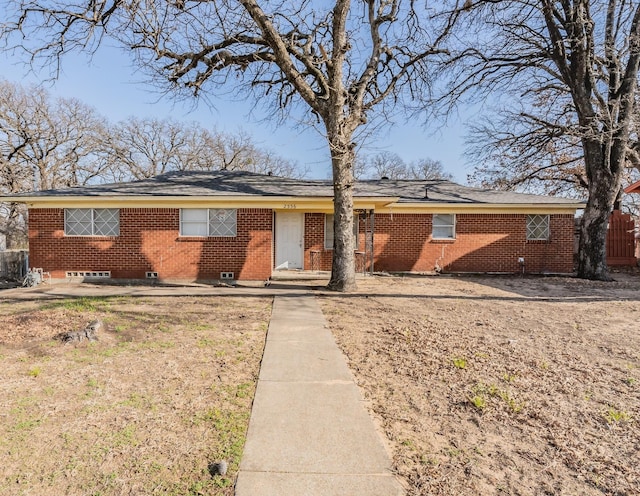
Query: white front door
[(289, 234)]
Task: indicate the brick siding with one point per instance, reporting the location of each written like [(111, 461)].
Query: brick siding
[(484, 243), (149, 240)]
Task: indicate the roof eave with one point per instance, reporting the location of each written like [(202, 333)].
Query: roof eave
[(472, 204), (281, 202), (274, 202), (478, 207)]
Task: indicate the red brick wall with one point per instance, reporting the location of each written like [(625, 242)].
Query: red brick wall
[(149, 240), (314, 243), (484, 243), (314, 250)]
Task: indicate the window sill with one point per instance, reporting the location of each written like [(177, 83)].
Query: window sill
[(203, 238), (331, 249), (446, 241), (538, 241), (92, 236)]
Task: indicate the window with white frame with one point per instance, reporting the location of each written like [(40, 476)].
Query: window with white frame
[(328, 231), (444, 226), (91, 221), (538, 228), (221, 222)]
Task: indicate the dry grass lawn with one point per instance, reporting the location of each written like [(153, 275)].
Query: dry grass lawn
[(164, 393), (483, 386), (486, 386)]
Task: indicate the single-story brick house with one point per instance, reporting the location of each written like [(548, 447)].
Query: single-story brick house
[(239, 225)]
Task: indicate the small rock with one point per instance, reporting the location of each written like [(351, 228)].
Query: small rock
[(72, 337), (218, 468), (89, 332), (91, 329)]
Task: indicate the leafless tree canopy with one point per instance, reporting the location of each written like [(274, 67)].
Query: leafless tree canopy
[(140, 148), (291, 51), (44, 143), (509, 151), (392, 166), (568, 70)]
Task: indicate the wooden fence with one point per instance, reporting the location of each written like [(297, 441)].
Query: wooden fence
[(621, 240), (13, 264)]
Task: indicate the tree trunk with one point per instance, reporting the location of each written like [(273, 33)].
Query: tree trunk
[(15, 230), (592, 251), (343, 269)]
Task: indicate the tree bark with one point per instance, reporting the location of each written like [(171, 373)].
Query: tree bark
[(592, 253), (343, 269), (341, 120)]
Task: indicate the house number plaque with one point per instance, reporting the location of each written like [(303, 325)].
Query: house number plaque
[(290, 206)]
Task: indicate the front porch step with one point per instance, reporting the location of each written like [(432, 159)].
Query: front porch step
[(299, 275), (305, 275)]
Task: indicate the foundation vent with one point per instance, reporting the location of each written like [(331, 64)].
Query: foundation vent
[(152, 275), (95, 274), (226, 275)]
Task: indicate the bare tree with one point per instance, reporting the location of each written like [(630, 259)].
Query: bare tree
[(546, 164), (571, 69), (360, 166), (386, 164), (511, 152), (428, 168), (140, 148), (631, 202), (338, 63), (239, 151), (392, 166), (44, 143)]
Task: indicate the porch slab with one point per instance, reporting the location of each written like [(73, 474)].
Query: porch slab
[(300, 275), (307, 275)]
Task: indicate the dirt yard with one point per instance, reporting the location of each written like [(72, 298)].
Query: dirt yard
[(163, 394), (491, 385)]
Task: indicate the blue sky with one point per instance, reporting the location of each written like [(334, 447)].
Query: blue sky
[(109, 83)]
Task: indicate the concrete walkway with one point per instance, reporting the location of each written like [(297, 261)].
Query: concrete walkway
[(309, 433)]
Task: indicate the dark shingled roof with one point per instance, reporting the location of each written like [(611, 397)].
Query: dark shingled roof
[(242, 183)]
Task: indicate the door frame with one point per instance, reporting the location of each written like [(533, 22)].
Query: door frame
[(278, 242)]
